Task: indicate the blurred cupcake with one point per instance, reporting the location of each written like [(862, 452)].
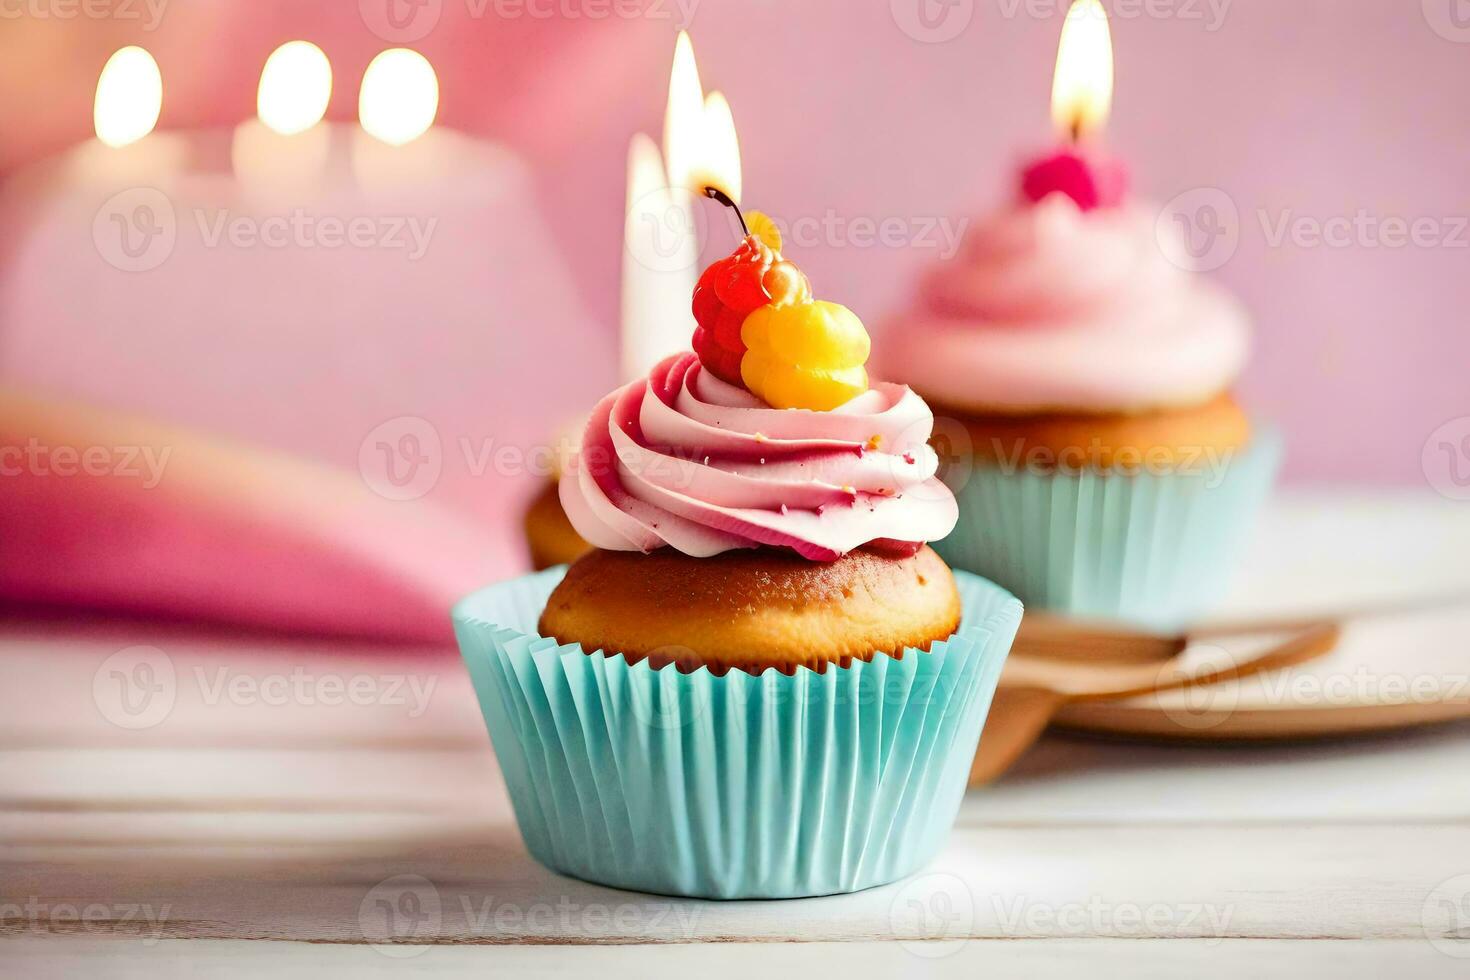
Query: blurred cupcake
[(550, 537), (1102, 465), (761, 683)]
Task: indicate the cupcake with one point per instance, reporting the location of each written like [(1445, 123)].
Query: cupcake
[(550, 537), (1104, 468), (761, 682)]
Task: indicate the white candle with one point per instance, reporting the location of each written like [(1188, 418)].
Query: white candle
[(659, 263), (286, 148), (396, 105), (126, 151)]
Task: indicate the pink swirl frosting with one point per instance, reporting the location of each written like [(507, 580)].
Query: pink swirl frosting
[(1048, 308), (687, 461)]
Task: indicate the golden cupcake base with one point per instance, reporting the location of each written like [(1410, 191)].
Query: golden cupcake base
[(753, 609)]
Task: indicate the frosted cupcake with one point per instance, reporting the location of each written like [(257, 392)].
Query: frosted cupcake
[(1103, 467), (762, 682)]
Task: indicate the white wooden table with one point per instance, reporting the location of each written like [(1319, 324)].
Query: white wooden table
[(288, 806)]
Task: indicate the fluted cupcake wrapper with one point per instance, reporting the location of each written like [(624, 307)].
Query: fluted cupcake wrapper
[(1154, 549), (733, 786)]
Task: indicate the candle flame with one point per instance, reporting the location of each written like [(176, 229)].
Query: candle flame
[(399, 97), (129, 97), (719, 163), (1082, 88), (701, 148), (295, 86), (684, 114)]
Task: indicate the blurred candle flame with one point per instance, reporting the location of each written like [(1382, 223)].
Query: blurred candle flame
[(129, 97), (399, 97), (684, 115), (1082, 88), (295, 87), (700, 146), (719, 162)]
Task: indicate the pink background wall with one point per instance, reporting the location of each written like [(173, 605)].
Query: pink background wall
[(1311, 108)]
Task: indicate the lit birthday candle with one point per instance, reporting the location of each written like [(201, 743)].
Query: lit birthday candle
[(661, 246), (397, 146), (125, 111), (286, 146), (1081, 97)]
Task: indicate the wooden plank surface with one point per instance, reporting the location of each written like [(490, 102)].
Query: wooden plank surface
[(1086, 839), (1096, 959), (1208, 881), (274, 789)]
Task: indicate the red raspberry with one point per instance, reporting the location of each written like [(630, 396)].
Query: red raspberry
[(752, 276)]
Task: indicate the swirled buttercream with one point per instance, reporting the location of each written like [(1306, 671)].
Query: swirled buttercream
[(1048, 308), (684, 460)]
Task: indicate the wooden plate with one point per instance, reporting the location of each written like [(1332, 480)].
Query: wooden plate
[(1358, 559), (1389, 671)]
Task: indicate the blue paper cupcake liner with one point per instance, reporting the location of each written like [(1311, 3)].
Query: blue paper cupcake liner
[(1151, 549), (733, 786)]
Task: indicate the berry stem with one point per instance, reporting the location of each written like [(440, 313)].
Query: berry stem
[(723, 198)]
